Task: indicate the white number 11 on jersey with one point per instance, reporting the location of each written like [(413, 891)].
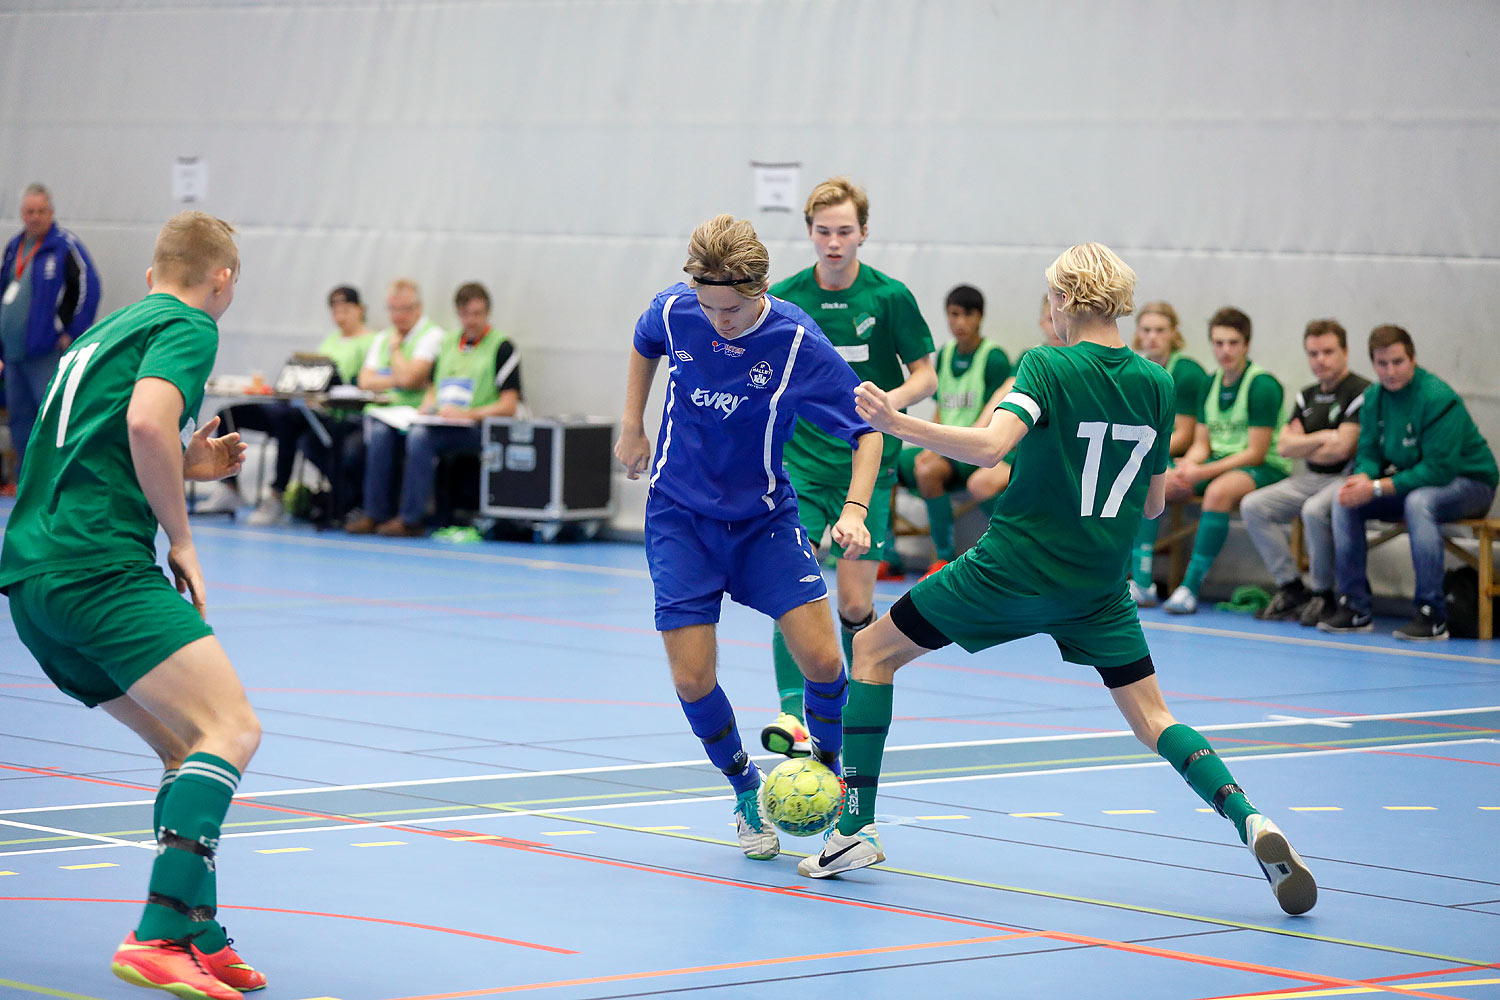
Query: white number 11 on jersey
[(1094, 432), (70, 369)]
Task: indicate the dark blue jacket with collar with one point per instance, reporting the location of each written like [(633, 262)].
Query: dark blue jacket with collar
[(64, 289)]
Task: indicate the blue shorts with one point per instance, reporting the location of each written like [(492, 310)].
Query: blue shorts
[(765, 563)]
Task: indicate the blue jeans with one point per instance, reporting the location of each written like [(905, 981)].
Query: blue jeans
[(423, 445), (25, 388), (1425, 510)]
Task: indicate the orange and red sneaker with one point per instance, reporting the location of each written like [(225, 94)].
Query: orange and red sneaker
[(936, 565), (230, 968), (170, 966), (887, 571)]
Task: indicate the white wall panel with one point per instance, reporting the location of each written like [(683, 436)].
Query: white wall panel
[(1296, 160)]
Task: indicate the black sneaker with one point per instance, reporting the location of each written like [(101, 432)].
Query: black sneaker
[(1424, 627), (1346, 619), (1320, 607), (1286, 605)]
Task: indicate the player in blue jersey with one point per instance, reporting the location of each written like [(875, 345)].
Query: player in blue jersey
[(721, 517)]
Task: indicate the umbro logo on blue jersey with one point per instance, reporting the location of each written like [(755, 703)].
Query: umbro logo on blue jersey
[(810, 578), (729, 349), (683, 355)]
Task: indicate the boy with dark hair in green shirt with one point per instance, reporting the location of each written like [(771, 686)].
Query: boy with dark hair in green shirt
[(1421, 459), (114, 441), (1233, 450), (970, 369)]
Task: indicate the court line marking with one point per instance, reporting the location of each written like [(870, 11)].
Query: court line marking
[(44, 991), (316, 913), (699, 762), (500, 810), (114, 841), (641, 574), (1351, 991), (756, 963), (495, 559)]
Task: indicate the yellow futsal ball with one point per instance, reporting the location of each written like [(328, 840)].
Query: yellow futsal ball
[(801, 797)]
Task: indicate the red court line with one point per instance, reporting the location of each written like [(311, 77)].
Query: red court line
[(314, 913), (52, 772), (723, 967), (1372, 980), (1233, 964), (464, 697)]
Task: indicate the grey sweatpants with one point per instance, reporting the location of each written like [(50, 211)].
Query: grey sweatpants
[(1265, 512)]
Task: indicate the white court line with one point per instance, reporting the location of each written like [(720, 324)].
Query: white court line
[(1316, 722), (389, 551), (60, 850), (640, 574), (1296, 640), (494, 814), (74, 833), (618, 768)]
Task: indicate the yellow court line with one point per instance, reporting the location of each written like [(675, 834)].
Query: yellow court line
[(10, 873), (1065, 897), (97, 864), (283, 850), (1490, 808), (44, 991)]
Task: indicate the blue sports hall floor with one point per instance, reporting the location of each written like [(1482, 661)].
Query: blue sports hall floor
[(475, 781)]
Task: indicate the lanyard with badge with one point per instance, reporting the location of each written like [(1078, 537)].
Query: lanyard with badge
[(13, 289)]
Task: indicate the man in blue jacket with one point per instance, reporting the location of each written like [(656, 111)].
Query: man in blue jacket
[(49, 298)]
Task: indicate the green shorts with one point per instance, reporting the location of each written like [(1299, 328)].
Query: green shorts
[(906, 471), (97, 632), (967, 603), (1264, 475), (819, 507)]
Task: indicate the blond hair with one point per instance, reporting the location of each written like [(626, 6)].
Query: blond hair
[(1162, 308), (1093, 281), (725, 251), (192, 246), (836, 191), (404, 285)]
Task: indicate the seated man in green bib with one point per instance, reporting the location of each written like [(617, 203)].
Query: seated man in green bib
[(477, 374), (1234, 447), (970, 368)]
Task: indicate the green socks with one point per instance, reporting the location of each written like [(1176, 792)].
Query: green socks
[(867, 719), (788, 677), (207, 934), (940, 525), (1185, 749), (191, 808), (1145, 553), (1213, 528)]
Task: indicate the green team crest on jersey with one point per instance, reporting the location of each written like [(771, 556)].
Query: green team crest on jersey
[(864, 325)]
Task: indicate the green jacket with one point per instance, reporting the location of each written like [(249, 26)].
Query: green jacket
[(1421, 436)]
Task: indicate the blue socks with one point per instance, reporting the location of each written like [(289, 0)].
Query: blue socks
[(712, 720), (825, 713)]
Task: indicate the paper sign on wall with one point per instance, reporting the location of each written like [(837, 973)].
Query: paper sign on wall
[(189, 179), (777, 186)]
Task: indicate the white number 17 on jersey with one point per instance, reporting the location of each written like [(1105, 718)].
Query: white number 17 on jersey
[(1094, 431)]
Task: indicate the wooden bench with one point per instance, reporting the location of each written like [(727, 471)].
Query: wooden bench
[(1486, 530)]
